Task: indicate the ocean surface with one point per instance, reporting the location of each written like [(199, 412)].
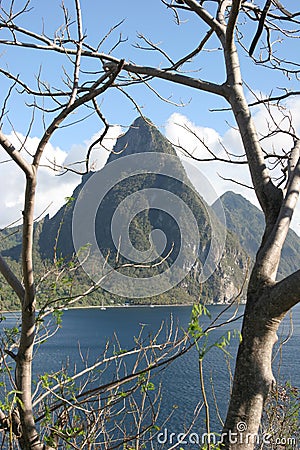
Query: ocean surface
[(85, 332)]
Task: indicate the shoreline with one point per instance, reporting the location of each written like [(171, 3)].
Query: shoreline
[(152, 306), (129, 306)]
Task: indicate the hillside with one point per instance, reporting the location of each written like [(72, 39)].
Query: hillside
[(53, 247), (53, 236), (141, 137), (246, 221)]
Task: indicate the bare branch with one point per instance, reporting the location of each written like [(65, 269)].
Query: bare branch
[(15, 155), (11, 278), (269, 254), (3, 111), (213, 155), (153, 47), (236, 182), (207, 18), (110, 76), (260, 27), (28, 90), (278, 98), (166, 74), (287, 289), (78, 54), (101, 137), (194, 52), (230, 29)]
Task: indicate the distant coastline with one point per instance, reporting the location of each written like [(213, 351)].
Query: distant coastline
[(176, 305), (131, 306)]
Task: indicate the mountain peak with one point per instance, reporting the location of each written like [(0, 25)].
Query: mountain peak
[(142, 136), (142, 121)]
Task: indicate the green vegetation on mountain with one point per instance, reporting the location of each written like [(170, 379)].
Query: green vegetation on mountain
[(58, 270), (144, 137), (246, 221)]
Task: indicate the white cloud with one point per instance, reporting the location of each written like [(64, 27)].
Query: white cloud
[(192, 138), (99, 153), (52, 189), (13, 180), (177, 130), (181, 131)]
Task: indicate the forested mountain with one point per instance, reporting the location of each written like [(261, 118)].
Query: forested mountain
[(141, 137), (246, 221), (53, 236)]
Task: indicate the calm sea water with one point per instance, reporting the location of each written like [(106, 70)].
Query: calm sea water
[(89, 330)]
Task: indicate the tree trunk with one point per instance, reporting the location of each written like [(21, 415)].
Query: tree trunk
[(253, 376), (29, 439)]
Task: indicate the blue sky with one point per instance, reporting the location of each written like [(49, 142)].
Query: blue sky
[(157, 23)]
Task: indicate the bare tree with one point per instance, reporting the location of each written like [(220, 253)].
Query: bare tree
[(62, 101), (268, 300), (75, 408)]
